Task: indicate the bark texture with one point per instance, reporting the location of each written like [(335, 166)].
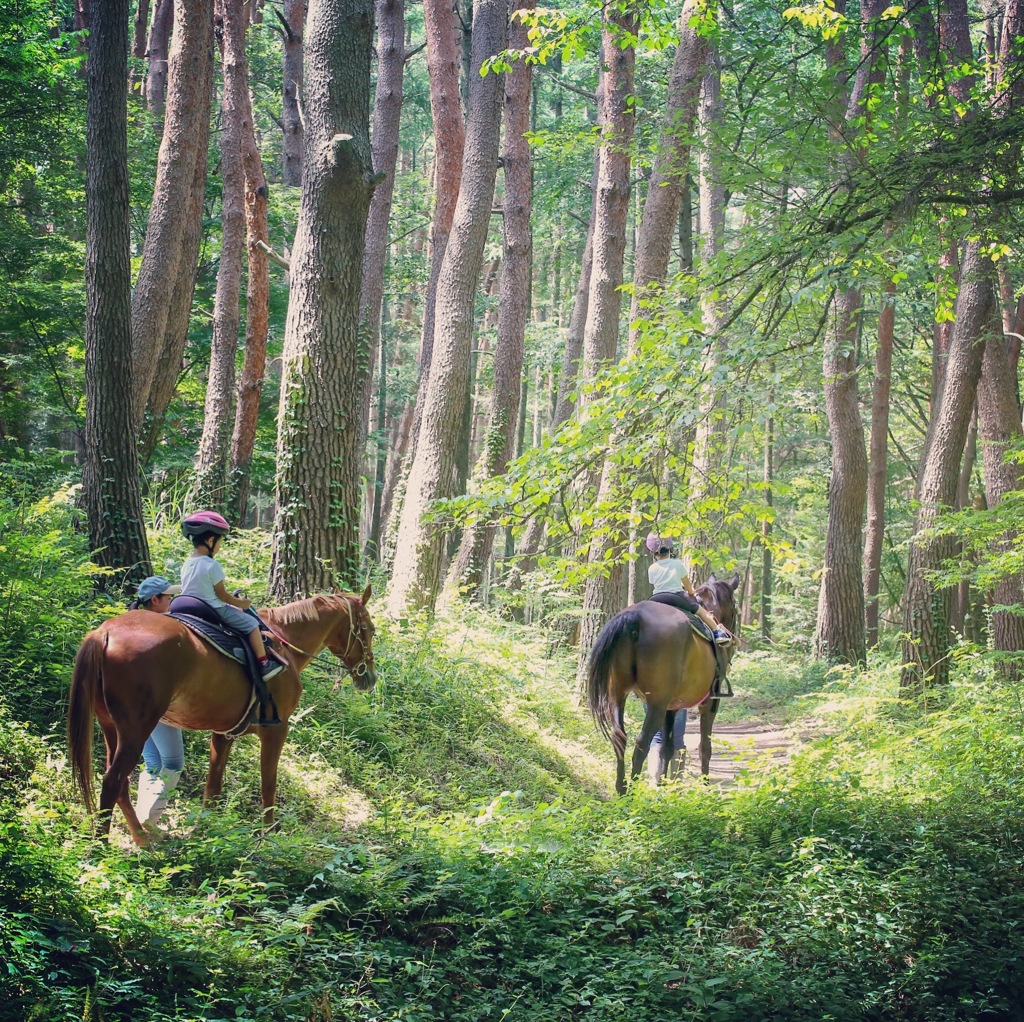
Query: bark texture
[(470, 565), (316, 531), (926, 610), (417, 565), (111, 472)]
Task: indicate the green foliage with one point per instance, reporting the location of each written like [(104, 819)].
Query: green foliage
[(45, 589)]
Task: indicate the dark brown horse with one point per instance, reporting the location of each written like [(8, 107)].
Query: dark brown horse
[(141, 667), (652, 650)]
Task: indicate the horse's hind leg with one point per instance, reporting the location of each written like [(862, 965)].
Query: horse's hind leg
[(653, 719), (114, 789), (619, 744), (667, 747)]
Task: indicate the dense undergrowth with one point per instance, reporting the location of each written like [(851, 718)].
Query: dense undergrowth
[(448, 848)]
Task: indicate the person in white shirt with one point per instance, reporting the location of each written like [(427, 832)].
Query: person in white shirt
[(668, 575), (203, 578)]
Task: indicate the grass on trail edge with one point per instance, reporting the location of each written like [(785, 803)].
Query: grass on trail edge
[(449, 850)]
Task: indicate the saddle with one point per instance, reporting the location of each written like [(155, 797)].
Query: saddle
[(721, 687), (199, 617)]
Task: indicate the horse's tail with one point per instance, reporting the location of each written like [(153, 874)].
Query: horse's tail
[(85, 689), (624, 626)]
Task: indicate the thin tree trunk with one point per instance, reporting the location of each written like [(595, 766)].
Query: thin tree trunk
[(291, 89), (671, 163), (926, 609), (110, 474), (214, 445), (470, 566), (417, 566), (449, 143), (316, 530), (999, 419), (186, 125), (159, 43), (602, 593), (257, 317), (766, 532), (878, 464), (387, 109), (141, 25)]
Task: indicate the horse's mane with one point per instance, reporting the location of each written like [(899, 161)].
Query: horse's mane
[(301, 610)]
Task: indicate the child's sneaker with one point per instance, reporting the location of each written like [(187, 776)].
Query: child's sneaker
[(722, 637), (270, 668)]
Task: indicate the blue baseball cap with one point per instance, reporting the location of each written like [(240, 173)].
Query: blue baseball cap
[(156, 585)]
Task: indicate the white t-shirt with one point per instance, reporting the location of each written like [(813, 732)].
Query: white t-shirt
[(666, 576), (198, 577)]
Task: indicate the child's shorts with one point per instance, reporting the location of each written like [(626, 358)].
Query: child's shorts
[(237, 619)]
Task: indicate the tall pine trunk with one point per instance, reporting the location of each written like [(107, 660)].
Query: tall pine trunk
[(316, 530), (111, 472), (293, 21)]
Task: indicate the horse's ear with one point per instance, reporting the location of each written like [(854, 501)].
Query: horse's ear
[(734, 581), (367, 593), (712, 579)]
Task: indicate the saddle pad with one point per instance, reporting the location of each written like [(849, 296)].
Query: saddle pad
[(222, 639), (701, 629)]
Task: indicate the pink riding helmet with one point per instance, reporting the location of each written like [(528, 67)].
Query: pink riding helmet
[(654, 543), (203, 522)]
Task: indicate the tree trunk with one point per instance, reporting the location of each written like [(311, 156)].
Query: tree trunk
[(999, 419), (159, 41), (417, 565), (186, 125), (470, 564), (214, 445), (602, 593), (671, 164), (257, 316), (449, 142), (878, 464), (766, 532), (291, 89), (141, 25), (387, 109), (926, 609), (707, 475), (316, 531), (111, 472)]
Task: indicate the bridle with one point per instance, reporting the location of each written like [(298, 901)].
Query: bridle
[(358, 671)]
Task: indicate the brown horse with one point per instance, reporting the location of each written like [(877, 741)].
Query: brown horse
[(141, 667), (651, 649)]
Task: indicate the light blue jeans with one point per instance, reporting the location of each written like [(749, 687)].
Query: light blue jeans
[(164, 749)]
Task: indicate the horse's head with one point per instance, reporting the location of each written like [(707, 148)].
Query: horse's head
[(352, 641), (719, 598)]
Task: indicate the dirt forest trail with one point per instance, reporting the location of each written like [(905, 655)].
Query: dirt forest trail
[(745, 747)]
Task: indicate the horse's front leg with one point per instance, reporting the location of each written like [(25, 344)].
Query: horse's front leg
[(653, 719), (707, 722), (220, 749), (271, 744)]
